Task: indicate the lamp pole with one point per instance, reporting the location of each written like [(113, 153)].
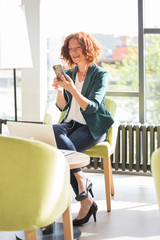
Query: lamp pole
[(15, 94)]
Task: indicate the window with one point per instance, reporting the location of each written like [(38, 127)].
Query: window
[(151, 13), (152, 49), (152, 60), (115, 28), (7, 110)]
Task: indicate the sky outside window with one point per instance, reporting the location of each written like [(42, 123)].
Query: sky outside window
[(116, 17)]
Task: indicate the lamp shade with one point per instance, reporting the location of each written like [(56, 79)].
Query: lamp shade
[(14, 41)]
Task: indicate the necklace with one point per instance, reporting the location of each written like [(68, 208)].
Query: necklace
[(84, 72)]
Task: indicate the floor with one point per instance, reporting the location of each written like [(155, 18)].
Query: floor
[(134, 215)]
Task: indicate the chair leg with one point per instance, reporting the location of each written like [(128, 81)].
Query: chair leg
[(67, 224), (107, 178), (111, 179), (31, 235)]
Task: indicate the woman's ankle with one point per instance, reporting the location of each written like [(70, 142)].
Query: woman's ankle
[(87, 202)]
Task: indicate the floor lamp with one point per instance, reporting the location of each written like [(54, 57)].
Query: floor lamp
[(14, 42)]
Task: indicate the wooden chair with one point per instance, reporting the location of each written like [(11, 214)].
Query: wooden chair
[(102, 150), (105, 149), (155, 167)]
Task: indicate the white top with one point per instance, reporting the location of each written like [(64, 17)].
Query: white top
[(75, 113)]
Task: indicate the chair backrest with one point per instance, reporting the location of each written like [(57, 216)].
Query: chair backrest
[(52, 114), (111, 106), (155, 167), (34, 184)]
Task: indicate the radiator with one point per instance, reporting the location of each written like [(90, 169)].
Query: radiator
[(135, 144)]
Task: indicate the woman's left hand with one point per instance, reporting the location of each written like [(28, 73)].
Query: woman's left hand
[(67, 83)]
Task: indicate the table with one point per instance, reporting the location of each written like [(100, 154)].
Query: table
[(75, 160)]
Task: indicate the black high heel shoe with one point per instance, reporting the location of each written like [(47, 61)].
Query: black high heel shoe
[(84, 194), (92, 211)]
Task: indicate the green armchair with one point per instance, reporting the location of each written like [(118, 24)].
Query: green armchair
[(102, 150), (34, 187), (155, 167), (105, 149)]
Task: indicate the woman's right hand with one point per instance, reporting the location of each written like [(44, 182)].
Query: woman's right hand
[(61, 102)]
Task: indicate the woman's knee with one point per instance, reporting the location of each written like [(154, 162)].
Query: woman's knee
[(58, 129)]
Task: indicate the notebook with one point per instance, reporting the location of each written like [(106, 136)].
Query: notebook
[(36, 131)]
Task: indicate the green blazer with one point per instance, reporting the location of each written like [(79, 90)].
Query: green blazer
[(97, 117)]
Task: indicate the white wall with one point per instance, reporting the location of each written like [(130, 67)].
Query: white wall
[(34, 80)]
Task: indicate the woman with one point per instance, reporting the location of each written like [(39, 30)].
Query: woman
[(81, 92)]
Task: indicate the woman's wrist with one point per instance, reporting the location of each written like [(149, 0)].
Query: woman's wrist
[(74, 92)]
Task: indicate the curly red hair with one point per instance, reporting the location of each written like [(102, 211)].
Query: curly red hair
[(90, 48)]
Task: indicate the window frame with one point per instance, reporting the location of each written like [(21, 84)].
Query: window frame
[(141, 94)]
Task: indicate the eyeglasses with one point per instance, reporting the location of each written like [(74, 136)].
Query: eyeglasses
[(74, 49)]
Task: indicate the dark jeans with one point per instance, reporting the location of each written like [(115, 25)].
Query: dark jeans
[(77, 137)]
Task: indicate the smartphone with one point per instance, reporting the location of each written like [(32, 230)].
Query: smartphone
[(58, 71)]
